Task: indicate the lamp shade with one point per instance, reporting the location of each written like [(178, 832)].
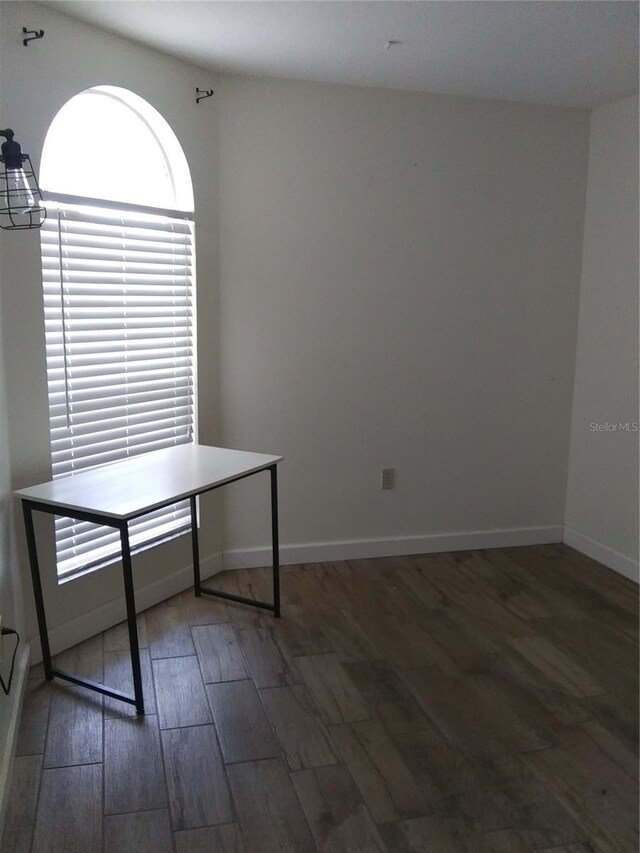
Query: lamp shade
[(21, 206)]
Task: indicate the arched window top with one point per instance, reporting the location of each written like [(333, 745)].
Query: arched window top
[(107, 143)]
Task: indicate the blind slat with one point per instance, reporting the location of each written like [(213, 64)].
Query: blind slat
[(106, 548), (71, 465), (117, 394), (115, 406)]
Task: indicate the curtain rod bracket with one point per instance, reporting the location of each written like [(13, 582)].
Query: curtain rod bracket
[(201, 94), (31, 35)]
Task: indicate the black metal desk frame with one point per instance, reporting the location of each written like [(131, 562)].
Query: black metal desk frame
[(29, 506)]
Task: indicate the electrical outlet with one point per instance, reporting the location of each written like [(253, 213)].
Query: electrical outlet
[(388, 478)]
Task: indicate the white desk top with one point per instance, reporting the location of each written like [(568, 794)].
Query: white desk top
[(138, 485)]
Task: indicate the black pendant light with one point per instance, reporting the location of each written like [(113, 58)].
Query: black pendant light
[(21, 205)]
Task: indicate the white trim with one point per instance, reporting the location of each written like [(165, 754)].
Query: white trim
[(95, 621), (603, 554), (89, 624), (85, 626), (313, 552), (18, 688)]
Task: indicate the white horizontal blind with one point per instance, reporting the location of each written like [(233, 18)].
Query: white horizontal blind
[(119, 328)]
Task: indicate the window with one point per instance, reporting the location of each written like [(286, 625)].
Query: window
[(118, 277)]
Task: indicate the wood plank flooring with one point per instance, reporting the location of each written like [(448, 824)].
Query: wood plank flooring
[(471, 701)]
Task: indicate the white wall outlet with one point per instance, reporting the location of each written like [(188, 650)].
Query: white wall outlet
[(387, 481)]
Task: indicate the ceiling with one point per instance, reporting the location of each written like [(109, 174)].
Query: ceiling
[(568, 52)]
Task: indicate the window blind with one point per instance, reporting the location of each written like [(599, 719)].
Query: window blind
[(120, 349)]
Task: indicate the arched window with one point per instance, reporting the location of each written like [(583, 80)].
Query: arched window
[(118, 276)]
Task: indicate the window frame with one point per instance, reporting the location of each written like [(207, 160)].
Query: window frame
[(149, 536)]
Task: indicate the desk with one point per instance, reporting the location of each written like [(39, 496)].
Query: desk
[(115, 494)]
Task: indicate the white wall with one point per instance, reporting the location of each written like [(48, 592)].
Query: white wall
[(36, 82), (399, 287), (11, 604), (11, 609), (602, 494)]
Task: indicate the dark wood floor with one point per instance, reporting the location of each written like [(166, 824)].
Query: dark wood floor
[(474, 701)]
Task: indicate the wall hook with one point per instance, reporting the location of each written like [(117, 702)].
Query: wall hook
[(203, 93), (32, 34)]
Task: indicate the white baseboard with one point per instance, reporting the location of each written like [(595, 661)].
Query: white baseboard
[(85, 626), (607, 556), (320, 552), (16, 696), (95, 621)]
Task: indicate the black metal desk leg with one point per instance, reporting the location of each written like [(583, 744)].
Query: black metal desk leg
[(131, 617), (194, 545), (275, 543), (37, 588)]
